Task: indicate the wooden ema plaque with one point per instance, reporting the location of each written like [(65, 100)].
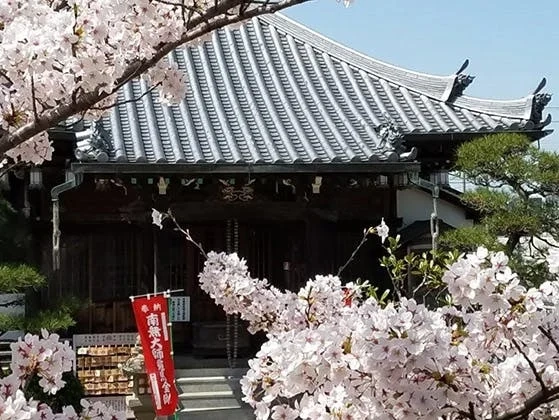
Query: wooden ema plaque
[(98, 361)]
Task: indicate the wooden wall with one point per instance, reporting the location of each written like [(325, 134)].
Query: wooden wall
[(286, 232)]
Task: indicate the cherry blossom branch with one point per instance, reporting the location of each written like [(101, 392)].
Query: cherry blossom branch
[(470, 414), (34, 98), (214, 18), (532, 366), (5, 169), (186, 233), (181, 5), (62, 5), (147, 92), (319, 330), (354, 253), (5, 76), (549, 337), (535, 401), (381, 230), (472, 411)]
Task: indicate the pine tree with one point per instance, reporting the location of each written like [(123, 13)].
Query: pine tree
[(516, 194), (19, 277)]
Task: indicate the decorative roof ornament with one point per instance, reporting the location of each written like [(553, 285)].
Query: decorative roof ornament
[(391, 136), (415, 100), (461, 82), (539, 102), (93, 144), (546, 122), (392, 142)]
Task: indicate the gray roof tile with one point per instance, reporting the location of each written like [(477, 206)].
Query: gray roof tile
[(274, 92)]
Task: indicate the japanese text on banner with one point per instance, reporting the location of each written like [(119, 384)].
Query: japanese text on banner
[(152, 318)]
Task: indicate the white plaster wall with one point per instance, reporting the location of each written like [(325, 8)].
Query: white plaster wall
[(415, 204)]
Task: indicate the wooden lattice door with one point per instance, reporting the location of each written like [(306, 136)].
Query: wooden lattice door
[(178, 266), (275, 251)]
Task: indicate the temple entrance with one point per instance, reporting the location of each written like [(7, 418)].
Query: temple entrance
[(104, 265), (275, 251)]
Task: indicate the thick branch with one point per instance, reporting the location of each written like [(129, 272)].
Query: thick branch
[(215, 17), (5, 169), (535, 401), (34, 98), (512, 242)]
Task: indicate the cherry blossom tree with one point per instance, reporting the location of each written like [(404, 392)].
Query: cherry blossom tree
[(335, 352), (59, 58), (47, 358)]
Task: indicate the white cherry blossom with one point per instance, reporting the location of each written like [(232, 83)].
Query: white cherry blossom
[(59, 58), (48, 358), (330, 357)]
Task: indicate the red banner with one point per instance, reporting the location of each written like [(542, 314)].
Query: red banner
[(152, 320)]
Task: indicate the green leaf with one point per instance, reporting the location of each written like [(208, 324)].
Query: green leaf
[(18, 277)]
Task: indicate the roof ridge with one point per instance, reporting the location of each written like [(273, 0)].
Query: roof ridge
[(498, 107), (361, 60), (537, 93), (502, 101)]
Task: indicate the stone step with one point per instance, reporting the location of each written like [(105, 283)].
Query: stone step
[(223, 414), (238, 372), (207, 401), (208, 384), (212, 393), (196, 395)]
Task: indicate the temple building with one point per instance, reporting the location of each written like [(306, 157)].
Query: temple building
[(286, 146)]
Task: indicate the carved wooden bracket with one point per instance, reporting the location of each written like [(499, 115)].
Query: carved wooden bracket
[(231, 193)]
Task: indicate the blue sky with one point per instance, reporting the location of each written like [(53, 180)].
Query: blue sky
[(511, 44)]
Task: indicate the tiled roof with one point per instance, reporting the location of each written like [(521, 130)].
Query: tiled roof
[(273, 92)]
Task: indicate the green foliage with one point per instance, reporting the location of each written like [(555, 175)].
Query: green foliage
[(373, 292), (486, 200), (495, 158), (57, 319), (468, 239), (531, 272), (71, 394), (426, 269), (15, 278), (11, 322), (516, 197), (54, 320)]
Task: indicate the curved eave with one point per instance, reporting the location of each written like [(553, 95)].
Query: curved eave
[(270, 93), (515, 108), (412, 138), (441, 88), (436, 87)]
